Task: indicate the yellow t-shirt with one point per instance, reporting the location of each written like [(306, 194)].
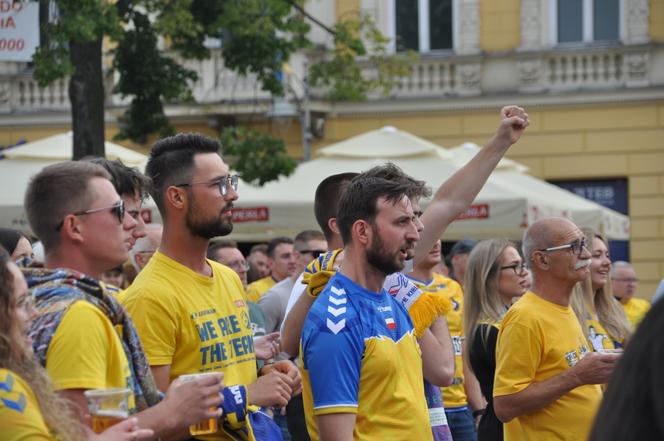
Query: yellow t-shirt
[(256, 289), (598, 338), (192, 322), (20, 416), (539, 340), (86, 352), (635, 310), (454, 395)]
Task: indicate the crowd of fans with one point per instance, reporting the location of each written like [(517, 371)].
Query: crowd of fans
[(361, 330)]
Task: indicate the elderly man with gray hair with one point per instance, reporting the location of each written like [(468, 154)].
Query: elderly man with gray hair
[(547, 379), (146, 246), (625, 283)]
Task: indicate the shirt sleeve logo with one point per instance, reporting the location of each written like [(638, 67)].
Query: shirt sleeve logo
[(6, 387), (337, 298)]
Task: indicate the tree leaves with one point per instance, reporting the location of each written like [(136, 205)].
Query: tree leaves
[(257, 156)]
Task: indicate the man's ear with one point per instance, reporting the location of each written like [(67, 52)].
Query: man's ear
[(540, 259), (362, 232), (72, 228), (175, 197), (332, 225)]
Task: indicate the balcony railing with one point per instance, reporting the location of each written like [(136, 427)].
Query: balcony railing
[(582, 68)]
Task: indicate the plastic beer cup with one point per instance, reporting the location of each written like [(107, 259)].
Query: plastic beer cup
[(207, 426), (107, 407)]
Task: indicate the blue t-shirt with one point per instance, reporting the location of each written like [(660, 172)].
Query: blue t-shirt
[(360, 355)]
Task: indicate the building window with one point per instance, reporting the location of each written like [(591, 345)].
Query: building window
[(584, 21), (423, 25)]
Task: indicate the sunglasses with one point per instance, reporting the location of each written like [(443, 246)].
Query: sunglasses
[(314, 253), (224, 184), (118, 209)]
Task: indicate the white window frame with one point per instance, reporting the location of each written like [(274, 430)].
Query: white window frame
[(588, 26), (422, 27)]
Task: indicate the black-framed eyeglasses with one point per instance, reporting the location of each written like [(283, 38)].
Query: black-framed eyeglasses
[(314, 253), (518, 268), (577, 247), (118, 209), (223, 183)]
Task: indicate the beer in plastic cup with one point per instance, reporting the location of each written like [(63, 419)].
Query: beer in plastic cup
[(107, 407), (206, 426)]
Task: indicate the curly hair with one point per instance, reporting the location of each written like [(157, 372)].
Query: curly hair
[(55, 410)]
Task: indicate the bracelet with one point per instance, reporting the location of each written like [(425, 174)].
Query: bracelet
[(478, 412)]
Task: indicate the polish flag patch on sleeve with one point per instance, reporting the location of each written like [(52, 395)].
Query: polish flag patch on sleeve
[(389, 321)]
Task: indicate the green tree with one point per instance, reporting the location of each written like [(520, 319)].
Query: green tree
[(257, 37)]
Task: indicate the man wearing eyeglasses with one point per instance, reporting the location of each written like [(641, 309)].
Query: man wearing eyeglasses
[(190, 311), (624, 283), (75, 210), (547, 379)]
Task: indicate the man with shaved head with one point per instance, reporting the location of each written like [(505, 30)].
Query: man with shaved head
[(547, 379)]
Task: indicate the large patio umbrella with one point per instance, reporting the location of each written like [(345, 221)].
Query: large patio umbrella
[(18, 164), (285, 207), (583, 212)]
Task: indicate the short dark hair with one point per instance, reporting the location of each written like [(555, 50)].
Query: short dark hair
[(9, 238), (305, 236), (128, 181), (274, 243), (416, 189), (326, 200), (56, 191), (219, 245), (172, 162), (359, 201), (464, 246)]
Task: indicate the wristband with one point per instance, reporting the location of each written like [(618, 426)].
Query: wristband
[(478, 412)]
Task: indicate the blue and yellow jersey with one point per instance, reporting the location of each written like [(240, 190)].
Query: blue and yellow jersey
[(454, 395), (360, 356), (20, 417)]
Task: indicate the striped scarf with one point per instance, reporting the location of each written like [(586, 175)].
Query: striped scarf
[(55, 291)]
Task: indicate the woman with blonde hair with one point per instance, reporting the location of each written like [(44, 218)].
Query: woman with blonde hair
[(602, 318), (29, 409), (495, 276)]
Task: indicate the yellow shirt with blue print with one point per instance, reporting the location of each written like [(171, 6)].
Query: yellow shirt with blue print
[(599, 340), (454, 395), (192, 322), (360, 355), (20, 416)]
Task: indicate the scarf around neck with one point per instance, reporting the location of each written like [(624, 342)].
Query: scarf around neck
[(54, 291)]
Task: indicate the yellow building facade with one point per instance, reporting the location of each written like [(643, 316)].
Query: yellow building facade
[(596, 106)]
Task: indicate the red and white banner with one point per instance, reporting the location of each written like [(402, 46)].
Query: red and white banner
[(19, 30), (256, 214), (477, 211)]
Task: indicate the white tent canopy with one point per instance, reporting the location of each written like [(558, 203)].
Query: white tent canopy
[(500, 210), (18, 164), (583, 212), (509, 202)]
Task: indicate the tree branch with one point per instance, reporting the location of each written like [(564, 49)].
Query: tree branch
[(301, 10)]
